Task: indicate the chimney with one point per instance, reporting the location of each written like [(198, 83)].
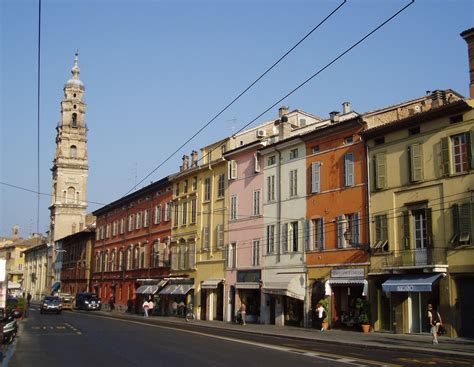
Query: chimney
[(185, 165), (15, 232), (438, 98), (334, 115), (284, 128), (283, 110), (468, 36), (346, 107), (194, 158)]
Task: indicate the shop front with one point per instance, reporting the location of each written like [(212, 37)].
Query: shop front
[(175, 297), (248, 289), (409, 296), (212, 299), (148, 290), (346, 288), (284, 299)]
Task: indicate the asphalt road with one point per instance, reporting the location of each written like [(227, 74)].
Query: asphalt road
[(86, 339)]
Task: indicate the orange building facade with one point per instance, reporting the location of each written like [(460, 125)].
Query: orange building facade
[(337, 206)]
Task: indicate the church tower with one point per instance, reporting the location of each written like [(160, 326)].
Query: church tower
[(70, 165)]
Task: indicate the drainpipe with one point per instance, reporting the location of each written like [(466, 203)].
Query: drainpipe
[(278, 205)]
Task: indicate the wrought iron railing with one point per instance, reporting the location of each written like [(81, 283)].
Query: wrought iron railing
[(411, 257)]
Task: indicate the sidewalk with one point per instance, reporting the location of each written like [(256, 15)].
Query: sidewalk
[(381, 340)]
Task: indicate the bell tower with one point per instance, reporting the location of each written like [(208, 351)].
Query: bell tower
[(70, 164)]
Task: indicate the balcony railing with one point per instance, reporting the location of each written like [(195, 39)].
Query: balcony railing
[(408, 258)]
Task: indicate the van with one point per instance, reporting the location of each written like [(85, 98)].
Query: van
[(87, 301), (67, 300)]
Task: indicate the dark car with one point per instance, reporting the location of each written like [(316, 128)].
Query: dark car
[(87, 301), (51, 304)]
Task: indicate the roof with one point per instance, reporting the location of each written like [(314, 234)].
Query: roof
[(151, 187), (28, 242), (437, 112)]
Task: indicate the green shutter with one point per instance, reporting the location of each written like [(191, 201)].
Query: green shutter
[(406, 229), (470, 148), (465, 222), (456, 229), (380, 176), (429, 227), (416, 162), (378, 228), (445, 161), (384, 227)]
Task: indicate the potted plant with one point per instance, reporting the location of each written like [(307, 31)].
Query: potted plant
[(325, 303), (364, 314)]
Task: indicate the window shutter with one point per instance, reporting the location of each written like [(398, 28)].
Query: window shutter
[(349, 169), (456, 223), (465, 222), (192, 255), (445, 161), (340, 231), (384, 225), (285, 237), (315, 177), (380, 176), (470, 148), (321, 234), (416, 162), (356, 226), (257, 162), (406, 228), (429, 227), (307, 227), (226, 255), (378, 228), (174, 258)]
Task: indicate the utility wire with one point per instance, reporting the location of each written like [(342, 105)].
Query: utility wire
[(38, 122), (237, 98), (319, 71)]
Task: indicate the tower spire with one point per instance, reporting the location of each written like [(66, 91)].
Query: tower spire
[(75, 69)]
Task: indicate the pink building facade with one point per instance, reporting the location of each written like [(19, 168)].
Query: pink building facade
[(246, 235)]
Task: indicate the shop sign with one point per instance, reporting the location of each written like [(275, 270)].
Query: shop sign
[(347, 273)]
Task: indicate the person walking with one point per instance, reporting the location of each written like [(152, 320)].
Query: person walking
[(320, 316), (146, 306), (28, 299), (243, 312), (151, 306), (434, 322), (111, 303)]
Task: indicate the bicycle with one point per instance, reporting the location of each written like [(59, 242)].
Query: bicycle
[(190, 314)]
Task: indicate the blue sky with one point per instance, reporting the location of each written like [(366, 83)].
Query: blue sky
[(155, 71)]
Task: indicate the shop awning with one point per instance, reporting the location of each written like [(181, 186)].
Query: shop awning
[(410, 283), (176, 289), (289, 285), (211, 283), (247, 285), (56, 286), (346, 281), (150, 288), (13, 285)]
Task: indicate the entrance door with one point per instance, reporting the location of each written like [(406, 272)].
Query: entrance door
[(415, 312), (220, 302), (232, 303), (203, 304), (272, 310), (466, 298)]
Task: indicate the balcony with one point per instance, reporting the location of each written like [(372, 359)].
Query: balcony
[(405, 259)]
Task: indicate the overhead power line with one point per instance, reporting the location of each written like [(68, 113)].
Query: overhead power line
[(38, 122), (237, 98)]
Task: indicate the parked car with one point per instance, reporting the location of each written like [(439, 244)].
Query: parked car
[(51, 304), (67, 300), (87, 301)]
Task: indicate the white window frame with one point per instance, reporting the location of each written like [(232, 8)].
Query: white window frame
[(233, 207), (256, 202), (255, 252), (293, 182)]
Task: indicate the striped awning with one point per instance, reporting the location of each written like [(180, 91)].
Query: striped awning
[(211, 283), (176, 289)]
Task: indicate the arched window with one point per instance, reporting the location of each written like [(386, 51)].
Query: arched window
[(112, 261), (136, 257), (121, 265), (129, 258), (106, 261), (71, 195), (74, 120), (73, 151), (97, 262)]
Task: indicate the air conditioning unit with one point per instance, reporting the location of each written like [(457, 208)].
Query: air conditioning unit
[(261, 133)]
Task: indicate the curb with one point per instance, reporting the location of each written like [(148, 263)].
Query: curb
[(439, 352)]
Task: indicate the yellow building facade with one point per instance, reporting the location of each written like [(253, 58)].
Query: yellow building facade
[(421, 205)]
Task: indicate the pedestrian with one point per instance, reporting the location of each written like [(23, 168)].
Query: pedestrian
[(243, 312), (174, 306), (151, 306), (434, 322), (112, 303), (146, 306), (320, 316), (28, 299)]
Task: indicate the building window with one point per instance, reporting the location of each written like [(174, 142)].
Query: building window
[(168, 212), (139, 220), (293, 153), (207, 189), (177, 189), (315, 149), (185, 187), (271, 160), (294, 182), (284, 237), (184, 219), (107, 231), (131, 222), (157, 214), (71, 195), (232, 166), (257, 165), (420, 228), (155, 255), (193, 210), (74, 120), (270, 238), (349, 169), (195, 183), (318, 234), (462, 224), (348, 229), (233, 207), (231, 255), (122, 225), (114, 228), (348, 140), (415, 152), (175, 214), (459, 152), (192, 255), (294, 236), (271, 188), (73, 151), (380, 175), (256, 202), (316, 177), (381, 233), (221, 186), (219, 236), (255, 253), (205, 238)]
